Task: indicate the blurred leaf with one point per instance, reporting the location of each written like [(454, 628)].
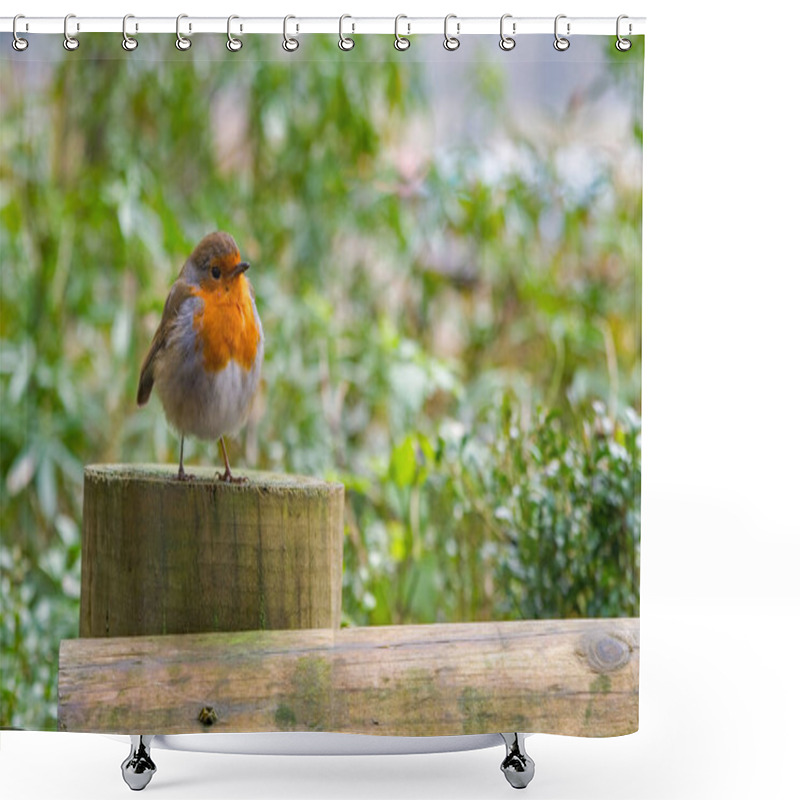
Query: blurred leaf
[(403, 463)]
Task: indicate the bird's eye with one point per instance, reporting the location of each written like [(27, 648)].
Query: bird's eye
[(215, 271)]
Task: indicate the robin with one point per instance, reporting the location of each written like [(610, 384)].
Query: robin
[(205, 357)]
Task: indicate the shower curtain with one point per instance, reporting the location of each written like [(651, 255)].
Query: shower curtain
[(445, 257)]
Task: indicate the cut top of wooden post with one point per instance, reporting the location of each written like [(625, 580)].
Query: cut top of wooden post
[(163, 556)]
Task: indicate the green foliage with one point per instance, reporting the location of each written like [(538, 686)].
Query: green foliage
[(569, 524), (452, 321), (515, 516), (40, 607)]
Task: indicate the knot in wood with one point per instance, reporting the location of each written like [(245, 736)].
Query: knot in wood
[(207, 716), (603, 651)]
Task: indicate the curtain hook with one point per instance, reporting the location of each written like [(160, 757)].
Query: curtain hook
[(70, 42), (623, 44), (507, 42), (561, 43), (289, 44), (400, 42), (18, 43), (128, 42), (451, 42), (345, 42), (181, 42), (233, 44)]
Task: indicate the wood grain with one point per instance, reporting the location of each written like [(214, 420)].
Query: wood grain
[(163, 556), (576, 677)]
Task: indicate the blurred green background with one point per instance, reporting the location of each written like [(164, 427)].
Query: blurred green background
[(446, 255)]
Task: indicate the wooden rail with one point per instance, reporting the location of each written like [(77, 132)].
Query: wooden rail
[(576, 677)]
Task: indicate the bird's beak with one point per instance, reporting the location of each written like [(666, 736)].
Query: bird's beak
[(241, 267)]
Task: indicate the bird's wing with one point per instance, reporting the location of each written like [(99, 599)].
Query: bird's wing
[(178, 294)]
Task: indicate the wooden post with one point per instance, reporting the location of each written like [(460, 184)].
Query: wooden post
[(162, 556)]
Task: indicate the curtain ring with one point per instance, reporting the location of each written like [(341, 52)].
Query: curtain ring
[(18, 43), (400, 42), (345, 42), (561, 43), (623, 44), (181, 42), (233, 44), (289, 44), (70, 42), (451, 42), (507, 42), (128, 42)]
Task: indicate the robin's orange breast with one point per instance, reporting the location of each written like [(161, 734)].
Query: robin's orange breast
[(226, 325)]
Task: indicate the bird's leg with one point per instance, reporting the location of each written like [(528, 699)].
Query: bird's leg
[(182, 474), (227, 476)]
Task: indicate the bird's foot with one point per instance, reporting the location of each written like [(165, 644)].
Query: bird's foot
[(227, 477), (184, 476)]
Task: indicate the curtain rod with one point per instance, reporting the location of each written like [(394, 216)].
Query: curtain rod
[(406, 26)]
